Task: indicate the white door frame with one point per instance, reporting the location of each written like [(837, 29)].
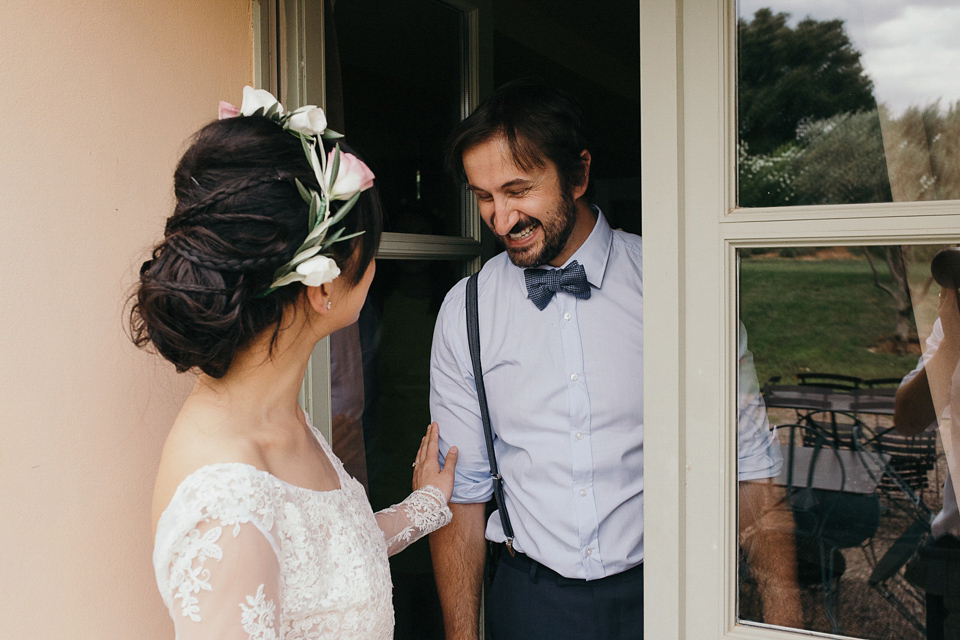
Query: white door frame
[(691, 232)]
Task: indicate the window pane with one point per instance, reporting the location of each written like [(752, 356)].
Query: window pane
[(402, 95), (380, 372), (836, 497), (842, 102)]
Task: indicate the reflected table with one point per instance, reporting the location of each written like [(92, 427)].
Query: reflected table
[(835, 469), (811, 398)]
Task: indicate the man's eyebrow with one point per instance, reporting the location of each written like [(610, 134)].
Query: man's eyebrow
[(506, 185)]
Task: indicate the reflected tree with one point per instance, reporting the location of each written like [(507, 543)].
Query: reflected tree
[(788, 76), (905, 330)]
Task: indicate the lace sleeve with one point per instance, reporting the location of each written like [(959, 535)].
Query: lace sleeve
[(424, 511), (224, 583)]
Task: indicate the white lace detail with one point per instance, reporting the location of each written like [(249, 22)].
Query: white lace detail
[(258, 618), (425, 509), (315, 561), (188, 573)]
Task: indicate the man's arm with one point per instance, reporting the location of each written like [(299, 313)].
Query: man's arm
[(920, 400), (767, 537), (459, 551), (913, 409)]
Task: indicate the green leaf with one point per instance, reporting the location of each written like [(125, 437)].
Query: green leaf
[(305, 193), (347, 237), (345, 209), (315, 205), (304, 255), (330, 134), (287, 279), (272, 111), (336, 168), (336, 236)]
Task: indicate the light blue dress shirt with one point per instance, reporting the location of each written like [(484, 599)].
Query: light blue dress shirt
[(564, 387), (758, 449)]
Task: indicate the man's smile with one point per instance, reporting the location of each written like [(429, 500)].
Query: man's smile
[(523, 230)]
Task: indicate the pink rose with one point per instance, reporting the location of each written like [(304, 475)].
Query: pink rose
[(227, 110), (352, 177)]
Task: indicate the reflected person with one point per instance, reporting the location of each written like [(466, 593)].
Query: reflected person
[(766, 526), (927, 397)]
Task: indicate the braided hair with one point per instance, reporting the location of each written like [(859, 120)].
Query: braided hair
[(238, 216)]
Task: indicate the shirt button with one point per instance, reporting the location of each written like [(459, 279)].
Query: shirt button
[(589, 552), (583, 493), (574, 377), (567, 316), (579, 436)]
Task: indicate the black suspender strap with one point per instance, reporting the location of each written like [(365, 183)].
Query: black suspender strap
[(473, 338)]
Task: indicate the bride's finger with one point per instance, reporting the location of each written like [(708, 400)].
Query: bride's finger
[(432, 438), (424, 443)]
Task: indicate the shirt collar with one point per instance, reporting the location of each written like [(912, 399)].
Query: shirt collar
[(595, 250)]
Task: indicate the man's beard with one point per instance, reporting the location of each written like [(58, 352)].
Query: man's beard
[(556, 232)]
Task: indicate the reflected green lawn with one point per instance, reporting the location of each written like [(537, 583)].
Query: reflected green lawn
[(822, 316)]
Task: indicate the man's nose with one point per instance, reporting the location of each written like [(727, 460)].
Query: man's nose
[(504, 217)]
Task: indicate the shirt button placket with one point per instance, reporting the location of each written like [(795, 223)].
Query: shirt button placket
[(581, 455)]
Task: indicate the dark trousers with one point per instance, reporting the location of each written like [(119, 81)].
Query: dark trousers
[(937, 569), (529, 601)]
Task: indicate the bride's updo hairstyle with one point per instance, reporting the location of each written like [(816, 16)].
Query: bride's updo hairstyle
[(238, 217)]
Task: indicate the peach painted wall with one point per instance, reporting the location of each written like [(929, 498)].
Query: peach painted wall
[(97, 100)]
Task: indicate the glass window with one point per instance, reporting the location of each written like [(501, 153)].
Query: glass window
[(402, 94), (844, 102), (380, 369), (840, 475), (397, 75)]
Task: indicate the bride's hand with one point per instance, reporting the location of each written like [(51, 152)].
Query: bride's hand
[(426, 467)]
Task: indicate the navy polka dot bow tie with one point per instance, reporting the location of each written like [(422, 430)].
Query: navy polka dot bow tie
[(543, 283)]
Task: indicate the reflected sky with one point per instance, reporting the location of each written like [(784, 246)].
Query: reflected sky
[(910, 47)]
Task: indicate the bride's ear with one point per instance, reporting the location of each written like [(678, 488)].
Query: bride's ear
[(319, 298)]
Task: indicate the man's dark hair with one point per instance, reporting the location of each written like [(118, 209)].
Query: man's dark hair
[(539, 122)]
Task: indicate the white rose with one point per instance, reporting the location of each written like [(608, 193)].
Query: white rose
[(309, 120), (254, 99), (318, 270)]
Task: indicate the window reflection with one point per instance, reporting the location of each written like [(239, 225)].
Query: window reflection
[(841, 103), (840, 474)]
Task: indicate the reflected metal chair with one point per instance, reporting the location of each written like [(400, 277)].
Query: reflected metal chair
[(837, 424), (911, 457), (835, 381), (835, 506), (894, 462)]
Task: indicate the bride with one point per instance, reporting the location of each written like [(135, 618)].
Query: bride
[(260, 533)]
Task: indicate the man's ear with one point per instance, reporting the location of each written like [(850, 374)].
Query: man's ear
[(581, 189), (319, 298)]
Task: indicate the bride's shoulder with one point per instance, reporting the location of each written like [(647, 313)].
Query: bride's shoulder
[(200, 442)]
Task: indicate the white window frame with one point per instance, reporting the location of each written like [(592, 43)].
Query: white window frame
[(288, 38), (691, 233)]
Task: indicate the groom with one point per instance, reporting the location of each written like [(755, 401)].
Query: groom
[(561, 332)]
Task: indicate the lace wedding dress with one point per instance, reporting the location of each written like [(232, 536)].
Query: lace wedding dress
[(240, 554)]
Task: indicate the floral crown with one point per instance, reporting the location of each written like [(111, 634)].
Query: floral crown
[(342, 176)]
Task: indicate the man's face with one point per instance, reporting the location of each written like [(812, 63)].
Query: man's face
[(527, 211)]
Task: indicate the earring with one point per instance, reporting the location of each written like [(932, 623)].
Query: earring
[(329, 304)]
